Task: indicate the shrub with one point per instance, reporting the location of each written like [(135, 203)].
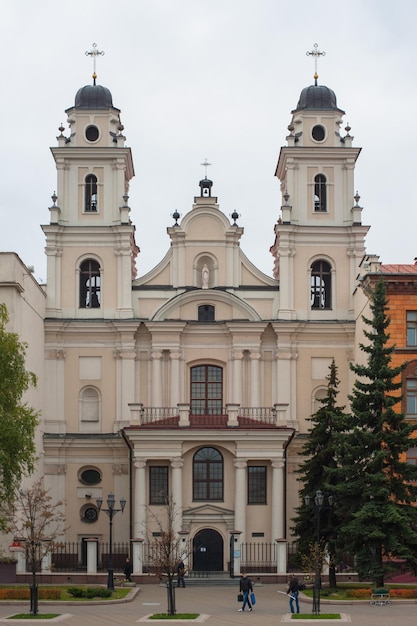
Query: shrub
[(23, 593), (75, 592), (403, 593), (89, 592), (358, 593)]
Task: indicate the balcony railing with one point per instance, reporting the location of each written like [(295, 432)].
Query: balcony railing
[(232, 416)]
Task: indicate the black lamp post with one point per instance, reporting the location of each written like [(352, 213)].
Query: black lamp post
[(111, 512), (319, 506)]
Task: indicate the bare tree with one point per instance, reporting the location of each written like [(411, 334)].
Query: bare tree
[(37, 522), (167, 550)]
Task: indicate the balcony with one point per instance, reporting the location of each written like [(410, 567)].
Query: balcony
[(232, 416)]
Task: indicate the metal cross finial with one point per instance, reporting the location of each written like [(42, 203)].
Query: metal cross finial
[(316, 53), (206, 164), (94, 53)]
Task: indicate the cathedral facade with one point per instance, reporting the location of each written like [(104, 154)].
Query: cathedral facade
[(193, 383)]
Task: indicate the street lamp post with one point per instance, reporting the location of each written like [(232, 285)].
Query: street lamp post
[(111, 512), (319, 506)]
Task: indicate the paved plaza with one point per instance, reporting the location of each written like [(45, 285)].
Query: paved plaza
[(217, 606)]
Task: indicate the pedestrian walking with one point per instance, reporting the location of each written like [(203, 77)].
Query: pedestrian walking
[(246, 587)]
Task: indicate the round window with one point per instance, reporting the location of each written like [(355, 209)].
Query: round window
[(90, 476), (91, 133), (318, 133), (89, 514)]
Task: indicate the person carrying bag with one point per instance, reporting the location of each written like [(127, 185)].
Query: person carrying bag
[(245, 588)]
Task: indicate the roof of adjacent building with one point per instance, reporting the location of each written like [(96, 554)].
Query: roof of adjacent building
[(397, 268)]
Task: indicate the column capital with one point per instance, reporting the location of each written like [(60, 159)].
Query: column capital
[(240, 463), (177, 463), (278, 464), (139, 464)]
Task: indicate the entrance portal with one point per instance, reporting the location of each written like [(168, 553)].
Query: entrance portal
[(208, 551)]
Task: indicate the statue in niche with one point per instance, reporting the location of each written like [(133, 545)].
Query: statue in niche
[(205, 273)]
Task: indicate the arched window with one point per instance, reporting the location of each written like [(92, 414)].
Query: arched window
[(208, 475), (90, 199), (90, 294), (89, 405), (206, 313), (320, 193), (321, 285), (206, 390)]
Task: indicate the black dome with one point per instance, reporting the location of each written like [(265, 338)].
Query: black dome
[(317, 98), (93, 97)]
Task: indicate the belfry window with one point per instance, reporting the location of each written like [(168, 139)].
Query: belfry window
[(321, 285), (90, 294), (206, 390), (208, 475), (320, 193), (90, 200)]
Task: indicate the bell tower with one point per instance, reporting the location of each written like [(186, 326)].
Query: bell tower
[(319, 236), (90, 243)]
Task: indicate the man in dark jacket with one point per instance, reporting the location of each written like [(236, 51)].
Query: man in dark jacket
[(293, 593), (246, 587)]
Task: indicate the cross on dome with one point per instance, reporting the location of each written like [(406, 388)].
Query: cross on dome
[(316, 53), (206, 164), (94, 53)]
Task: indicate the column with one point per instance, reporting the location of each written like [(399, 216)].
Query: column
[(176, 475), (125, 367), (277, 504), (255, 388), (137, 554), (91, 555), (240, 497), (139, 502), (175, 378), (237, 357), (156, 379)]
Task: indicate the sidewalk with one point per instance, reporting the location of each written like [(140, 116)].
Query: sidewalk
[(220, 605)]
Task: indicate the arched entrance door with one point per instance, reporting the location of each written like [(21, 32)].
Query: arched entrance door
[(208, 551)]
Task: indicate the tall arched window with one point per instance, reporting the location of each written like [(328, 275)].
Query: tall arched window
[(90, 294), (208, 475), (320, 193), (321, 296), (206, 390), (90, 199)]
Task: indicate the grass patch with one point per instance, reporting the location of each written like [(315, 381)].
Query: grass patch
[(310, 616), (176, 616), (38, 616)]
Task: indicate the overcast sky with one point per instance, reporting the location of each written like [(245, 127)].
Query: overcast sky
[(213, 79)]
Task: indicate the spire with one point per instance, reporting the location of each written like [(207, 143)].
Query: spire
[(94, 53)]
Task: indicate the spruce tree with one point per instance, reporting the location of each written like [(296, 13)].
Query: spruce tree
[(321, 453), (375, 487)]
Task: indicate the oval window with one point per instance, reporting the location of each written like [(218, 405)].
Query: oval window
[(91, 133), (318, 133), (90, 476)]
